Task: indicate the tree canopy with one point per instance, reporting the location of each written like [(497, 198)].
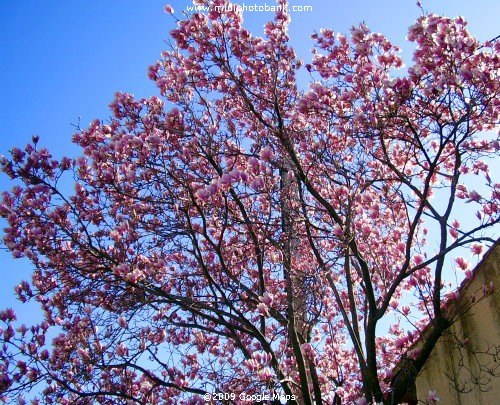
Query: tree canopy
[(244, 236)]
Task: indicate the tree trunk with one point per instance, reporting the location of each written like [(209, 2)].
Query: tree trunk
[(295, 280)]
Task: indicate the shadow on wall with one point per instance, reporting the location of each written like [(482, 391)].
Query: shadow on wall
[(464, 366)]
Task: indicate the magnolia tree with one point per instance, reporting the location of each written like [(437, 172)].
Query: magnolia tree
[(239, 237)]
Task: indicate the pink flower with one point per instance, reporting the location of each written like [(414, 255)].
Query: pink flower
[(418, 259), (476, 249), (433, 397), (266, 299), (462, 263), (366, 229), (121, 350), (44, 354), (254, 165), (307, 347), (257, 183), (251, 364), (465, 73), (265, 374), (266, 154), (8, 315), (337, 231), (202, 194), (169, 9), (8, 333), (263, 309), (122, 322), (134, 276), (473, 196), (226, 180), (400, 342)]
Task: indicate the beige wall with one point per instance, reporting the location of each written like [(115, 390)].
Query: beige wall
[(480, 331)]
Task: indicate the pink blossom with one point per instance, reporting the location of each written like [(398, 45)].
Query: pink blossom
[(337, 231), (453, 233), (135, 276), (8, 333), (418, 259), (266, 299), (267, 154), (202, 194), (462, 263), (226, 180), (433, 397), (265, 374), (8, 315), (263, 309), (122, 322), (473, 196), (188, 227), (366, 229), (400, 342), (121, 350), (251, 364), (257, 183), (477, 248), (405, 309)]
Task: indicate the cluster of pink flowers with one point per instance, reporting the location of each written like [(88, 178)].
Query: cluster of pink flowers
[(238, 233)]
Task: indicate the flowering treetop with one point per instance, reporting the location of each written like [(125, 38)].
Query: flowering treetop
[(239, 234)]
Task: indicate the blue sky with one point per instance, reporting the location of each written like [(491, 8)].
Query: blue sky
[(62, 61)]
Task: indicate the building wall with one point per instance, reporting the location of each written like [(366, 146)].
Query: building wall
[(469, 353)]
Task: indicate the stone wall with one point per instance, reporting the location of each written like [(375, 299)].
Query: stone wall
[(464, 367)]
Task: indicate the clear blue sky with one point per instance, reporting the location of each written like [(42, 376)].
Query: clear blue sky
[(61, 61)]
